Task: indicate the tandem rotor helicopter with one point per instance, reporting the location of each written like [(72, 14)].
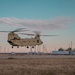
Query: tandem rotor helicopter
[(15, 40)]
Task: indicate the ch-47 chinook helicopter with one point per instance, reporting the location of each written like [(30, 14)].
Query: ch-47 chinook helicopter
[(15, 40)]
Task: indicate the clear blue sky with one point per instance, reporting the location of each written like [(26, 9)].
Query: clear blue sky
[(37, 9), (41, 10)]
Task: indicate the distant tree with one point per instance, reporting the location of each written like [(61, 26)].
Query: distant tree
[(69, 49), (60, 49), (74, 49)]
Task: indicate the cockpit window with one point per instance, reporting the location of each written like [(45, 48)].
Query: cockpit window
[(16, 38)]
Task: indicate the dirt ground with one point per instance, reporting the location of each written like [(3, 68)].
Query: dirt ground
[(37, 66)]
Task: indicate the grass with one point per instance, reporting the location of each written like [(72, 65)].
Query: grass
[(42, 66)]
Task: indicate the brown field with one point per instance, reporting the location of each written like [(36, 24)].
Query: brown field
[(39, 66)]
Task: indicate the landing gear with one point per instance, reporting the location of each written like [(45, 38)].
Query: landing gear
[(32, 46), (12, 46), (27, 46)]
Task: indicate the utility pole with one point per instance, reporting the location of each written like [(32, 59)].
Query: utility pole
[(4, 50), (44, 49), (0, 49), (35, 49), (30, 49), (71, 45), (70, 50)]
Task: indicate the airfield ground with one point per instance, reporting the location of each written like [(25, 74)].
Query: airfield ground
[(37, 65)]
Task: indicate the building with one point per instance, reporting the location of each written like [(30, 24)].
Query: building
[(63, 52)]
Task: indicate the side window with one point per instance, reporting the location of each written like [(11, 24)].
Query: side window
[(37, 41), (15, 38)]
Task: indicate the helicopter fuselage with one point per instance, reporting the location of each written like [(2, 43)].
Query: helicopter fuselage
[(15, 40)]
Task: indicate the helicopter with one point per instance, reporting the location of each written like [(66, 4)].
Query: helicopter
[(15, 40)]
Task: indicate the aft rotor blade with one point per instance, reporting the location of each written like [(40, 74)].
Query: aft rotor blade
[(37, 32), (49, 35)]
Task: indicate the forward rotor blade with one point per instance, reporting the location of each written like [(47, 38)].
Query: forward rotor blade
[(38, 33), (48, 35)]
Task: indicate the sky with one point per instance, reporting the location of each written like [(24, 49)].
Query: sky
[(52, 17)]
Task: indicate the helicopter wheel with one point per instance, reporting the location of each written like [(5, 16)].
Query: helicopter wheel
[(12, 46), (27, 46), (32, 46)]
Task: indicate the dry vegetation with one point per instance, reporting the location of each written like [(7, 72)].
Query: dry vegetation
[(40, 66)]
